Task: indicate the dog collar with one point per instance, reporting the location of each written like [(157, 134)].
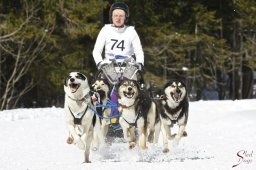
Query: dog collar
[(124, 106)]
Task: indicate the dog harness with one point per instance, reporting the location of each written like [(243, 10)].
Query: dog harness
[(132, 124), (79, 116), (172, 118), (136, 118), (90, 99)]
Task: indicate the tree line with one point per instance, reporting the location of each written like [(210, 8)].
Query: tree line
[(209, 44)]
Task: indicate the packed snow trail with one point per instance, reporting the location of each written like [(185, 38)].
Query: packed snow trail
[(35, 139)]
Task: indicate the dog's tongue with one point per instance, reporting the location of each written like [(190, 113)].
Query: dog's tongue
[(176, 96), (129, 94), (73, 90), (73, 87)]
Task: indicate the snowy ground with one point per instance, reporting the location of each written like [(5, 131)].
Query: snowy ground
[(218, 131)]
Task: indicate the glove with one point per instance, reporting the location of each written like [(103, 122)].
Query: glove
[(101, 64), (139, 66)]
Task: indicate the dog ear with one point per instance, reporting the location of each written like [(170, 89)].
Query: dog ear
[(181, 80), (168, 83), (65, 89), (119, 83), (82, 76), (65, 81), (137, 84), (105, 81)]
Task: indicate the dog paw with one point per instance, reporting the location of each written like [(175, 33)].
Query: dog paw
[(70, 140), (87, 161), (132, 145), (165, 150), (185, 134)]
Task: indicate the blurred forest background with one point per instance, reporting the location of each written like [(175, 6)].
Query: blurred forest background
[(210, 44)]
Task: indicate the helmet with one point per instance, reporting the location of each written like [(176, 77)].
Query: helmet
[(119, 5)]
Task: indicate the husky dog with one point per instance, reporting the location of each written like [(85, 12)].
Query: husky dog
[(81, 120), (173, 108), (102, 87), (138, 111)]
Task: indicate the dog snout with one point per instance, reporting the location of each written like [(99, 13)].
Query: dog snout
[(72, 80), (129, 88), (178, 90)]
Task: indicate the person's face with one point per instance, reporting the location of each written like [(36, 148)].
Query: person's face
[(118, 17)]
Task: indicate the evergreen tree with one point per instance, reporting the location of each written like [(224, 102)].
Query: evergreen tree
[(201, 41)]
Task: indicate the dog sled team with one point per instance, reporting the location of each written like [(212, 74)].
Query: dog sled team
[(118, 94)]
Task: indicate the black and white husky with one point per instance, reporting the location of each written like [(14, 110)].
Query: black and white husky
[(173, 108), (137, 111), (81, 120), (102, 87)]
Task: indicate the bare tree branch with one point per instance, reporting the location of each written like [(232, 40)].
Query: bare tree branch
[(24, 51), (29, 15)]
